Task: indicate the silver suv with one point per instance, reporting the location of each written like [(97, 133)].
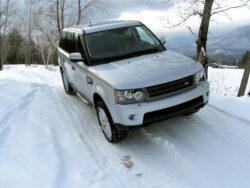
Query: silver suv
[(124, 71)]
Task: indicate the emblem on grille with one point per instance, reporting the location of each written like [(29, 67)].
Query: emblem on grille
[(186, 83)]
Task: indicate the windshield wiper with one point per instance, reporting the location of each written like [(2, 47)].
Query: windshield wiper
[(143, 52), (133, 54)]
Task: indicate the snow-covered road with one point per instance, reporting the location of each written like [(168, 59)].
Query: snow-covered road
[(49, 139)]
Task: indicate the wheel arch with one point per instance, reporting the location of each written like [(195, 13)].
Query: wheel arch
[(61, 69), (97, 98)]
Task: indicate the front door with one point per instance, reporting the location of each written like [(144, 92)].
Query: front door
[(82, 80)]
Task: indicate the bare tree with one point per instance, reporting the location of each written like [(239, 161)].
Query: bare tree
[(45, 49), (60, 14), (28, 20), (42, 20), (54, 15), (7, 10), (85, 6), (205, 9)]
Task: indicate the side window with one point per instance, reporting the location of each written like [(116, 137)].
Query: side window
[(73, 44), (63, 41), (144, 36), (79, 46), (67, 42), (70, 42)]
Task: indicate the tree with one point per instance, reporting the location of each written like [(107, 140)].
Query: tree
[(7, 11), (44, 48), (28, 19), (54, 15), (205, 9), (245, 58), (15, 41), (39, 26), (84, 6)]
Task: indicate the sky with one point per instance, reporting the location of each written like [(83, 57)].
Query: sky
[(154, 14)]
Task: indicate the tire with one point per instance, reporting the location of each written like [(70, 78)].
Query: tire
[(67, 86), (111, 133)]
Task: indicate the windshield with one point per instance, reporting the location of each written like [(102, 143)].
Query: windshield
[(121, 43)]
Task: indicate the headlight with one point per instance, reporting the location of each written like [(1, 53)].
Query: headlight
[(199, 77), (129, 96)]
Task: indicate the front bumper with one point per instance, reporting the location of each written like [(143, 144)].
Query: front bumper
[(137, 115)]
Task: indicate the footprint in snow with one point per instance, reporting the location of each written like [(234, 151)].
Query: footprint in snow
[(140, 175), (127, 162)]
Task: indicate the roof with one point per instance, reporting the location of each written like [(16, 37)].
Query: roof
[(102, 26)]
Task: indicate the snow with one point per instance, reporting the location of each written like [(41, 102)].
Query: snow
[(49, 139), (226, 82)]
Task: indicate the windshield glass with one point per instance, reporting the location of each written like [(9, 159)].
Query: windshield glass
[(121, 43)]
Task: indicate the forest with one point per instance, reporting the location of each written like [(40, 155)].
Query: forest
[(30, 30)]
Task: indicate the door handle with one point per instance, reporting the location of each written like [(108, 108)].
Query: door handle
[(73, 68), (89, 80)]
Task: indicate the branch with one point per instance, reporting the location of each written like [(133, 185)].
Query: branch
[(192, 32), (185, 10), (224, 9), (179, 23)]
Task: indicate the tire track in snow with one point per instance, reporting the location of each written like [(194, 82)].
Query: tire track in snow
[(105, 162), (60, 174), (114, 152), (7, 120), (97, 145), (243, 120), (61, 170), (167, 154), (70, 112)]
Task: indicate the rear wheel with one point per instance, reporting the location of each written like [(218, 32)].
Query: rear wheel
[(67, 86), (111, 133)]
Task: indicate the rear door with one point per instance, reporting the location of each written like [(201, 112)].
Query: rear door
[(65, 49)]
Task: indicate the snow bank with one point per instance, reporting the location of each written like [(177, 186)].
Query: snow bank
[(226, 82)]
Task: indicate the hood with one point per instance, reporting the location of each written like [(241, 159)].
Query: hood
[(146, 70)]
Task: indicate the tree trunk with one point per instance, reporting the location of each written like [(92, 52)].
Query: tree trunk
[(79, 12), (203, 31), (244, 80), (58, 17), (6, 16), (48, 58), (4, 42), (62, 14), (29, 37)]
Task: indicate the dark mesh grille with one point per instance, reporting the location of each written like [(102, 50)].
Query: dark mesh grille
[(170, 87)]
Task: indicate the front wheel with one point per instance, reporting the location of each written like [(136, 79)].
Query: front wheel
[(111, 133)]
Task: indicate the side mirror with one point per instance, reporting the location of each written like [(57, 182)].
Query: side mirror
[(163, 40), (75, 57)]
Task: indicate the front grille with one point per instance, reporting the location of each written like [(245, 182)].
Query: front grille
[(170, 87), (173, 111)]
